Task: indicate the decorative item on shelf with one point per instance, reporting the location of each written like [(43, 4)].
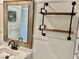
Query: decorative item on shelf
[(45, 12)]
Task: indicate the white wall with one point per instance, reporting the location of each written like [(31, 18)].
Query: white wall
[(54, 45), (1, 21)]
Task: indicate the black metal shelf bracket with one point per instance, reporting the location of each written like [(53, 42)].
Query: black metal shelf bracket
[(44, 12), (70, 27), (43, 25)]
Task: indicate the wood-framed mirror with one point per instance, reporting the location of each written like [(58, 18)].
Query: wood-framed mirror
[(18, 22)]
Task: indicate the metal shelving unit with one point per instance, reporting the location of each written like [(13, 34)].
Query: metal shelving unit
[(45, 12)]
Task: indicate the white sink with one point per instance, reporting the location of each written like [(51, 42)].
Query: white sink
[(21, 53)]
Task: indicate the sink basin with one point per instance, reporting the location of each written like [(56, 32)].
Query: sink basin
[(21, 53), (4, 51)]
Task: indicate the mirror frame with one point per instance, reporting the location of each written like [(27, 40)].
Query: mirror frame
[(29, 42)]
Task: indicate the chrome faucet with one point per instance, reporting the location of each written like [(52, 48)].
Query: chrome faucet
[(14, 46)]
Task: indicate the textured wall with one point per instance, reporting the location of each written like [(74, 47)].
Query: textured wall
[(50, 47), (1, 21), (54, 45)]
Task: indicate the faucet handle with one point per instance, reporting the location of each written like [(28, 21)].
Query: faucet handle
[(15, 47)]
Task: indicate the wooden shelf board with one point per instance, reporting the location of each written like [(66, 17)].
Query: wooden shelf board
[(57, 30), (57, 13)]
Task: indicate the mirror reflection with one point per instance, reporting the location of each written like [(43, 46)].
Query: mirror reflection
[(18, 22)]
